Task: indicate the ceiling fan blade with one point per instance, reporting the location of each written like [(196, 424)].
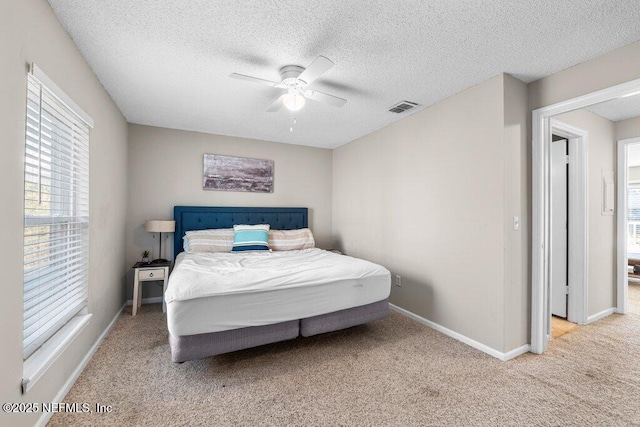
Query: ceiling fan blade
[(253, 79), (277, 104), (334, 101), (316, 69)]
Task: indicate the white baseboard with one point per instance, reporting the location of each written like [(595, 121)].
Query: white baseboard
[(515, 352), (153, 300), (601, 315), (471, 342), (46, 416)]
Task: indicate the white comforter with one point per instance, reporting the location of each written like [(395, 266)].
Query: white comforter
[(208, 274)]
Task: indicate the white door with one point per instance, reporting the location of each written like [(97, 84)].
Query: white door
[(559, 228)]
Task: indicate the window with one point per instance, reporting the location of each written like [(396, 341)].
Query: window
[(633, 219), (56, 211)]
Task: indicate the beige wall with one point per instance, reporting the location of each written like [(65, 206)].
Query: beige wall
[(165, 169), (517, 168), (31, 33), (616, 67), (626, 129), (601, 155), (426, 198)]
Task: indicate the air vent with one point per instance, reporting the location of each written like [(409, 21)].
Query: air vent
[(402, 106)]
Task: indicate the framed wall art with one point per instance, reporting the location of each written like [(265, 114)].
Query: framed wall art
[(226, 173)]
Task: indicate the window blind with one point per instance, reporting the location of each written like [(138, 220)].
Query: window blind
[(56, 214)]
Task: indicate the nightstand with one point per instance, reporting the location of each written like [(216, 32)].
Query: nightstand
[(148, 273)]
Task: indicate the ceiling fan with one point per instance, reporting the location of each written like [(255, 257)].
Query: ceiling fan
[(295, 79)]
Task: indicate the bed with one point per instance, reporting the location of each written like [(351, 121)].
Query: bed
[(224, 302)]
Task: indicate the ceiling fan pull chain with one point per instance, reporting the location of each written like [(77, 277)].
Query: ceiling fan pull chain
[(293, 121)]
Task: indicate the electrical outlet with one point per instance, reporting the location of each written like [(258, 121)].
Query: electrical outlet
[(398, 280)]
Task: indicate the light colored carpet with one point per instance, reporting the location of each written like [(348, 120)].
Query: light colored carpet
[(393, 372)]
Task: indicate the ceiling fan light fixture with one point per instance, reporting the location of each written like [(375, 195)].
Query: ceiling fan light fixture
[(293, 101), (294, 79)]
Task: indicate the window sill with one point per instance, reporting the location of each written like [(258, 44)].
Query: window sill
[(38, 363)]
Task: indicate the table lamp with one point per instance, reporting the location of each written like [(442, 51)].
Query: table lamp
[(159, 226)]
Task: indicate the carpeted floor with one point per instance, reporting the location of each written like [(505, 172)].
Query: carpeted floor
[(393, 372)]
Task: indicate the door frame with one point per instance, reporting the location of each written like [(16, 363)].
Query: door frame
[(577, 236), (622, 277), (540, 200)]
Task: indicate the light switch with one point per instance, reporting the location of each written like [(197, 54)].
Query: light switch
[(516, 223)]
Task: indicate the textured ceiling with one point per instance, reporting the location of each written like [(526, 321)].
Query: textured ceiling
[(166, 62), (618, 109)]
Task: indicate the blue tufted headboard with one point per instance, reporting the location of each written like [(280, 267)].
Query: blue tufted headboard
[(206, 217)]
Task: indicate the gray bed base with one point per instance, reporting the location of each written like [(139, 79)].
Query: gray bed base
[(200, 346)]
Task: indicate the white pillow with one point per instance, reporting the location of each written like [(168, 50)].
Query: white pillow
[(214, 240), (289, 240)]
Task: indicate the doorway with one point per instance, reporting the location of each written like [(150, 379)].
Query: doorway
[(560, 164), (627, 233), (541, 200), (559, 227), (567, 292)]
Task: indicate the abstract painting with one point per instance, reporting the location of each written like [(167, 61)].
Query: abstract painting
[(226, 173)]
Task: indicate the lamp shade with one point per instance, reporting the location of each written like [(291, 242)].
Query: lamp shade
[(159, 226)]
